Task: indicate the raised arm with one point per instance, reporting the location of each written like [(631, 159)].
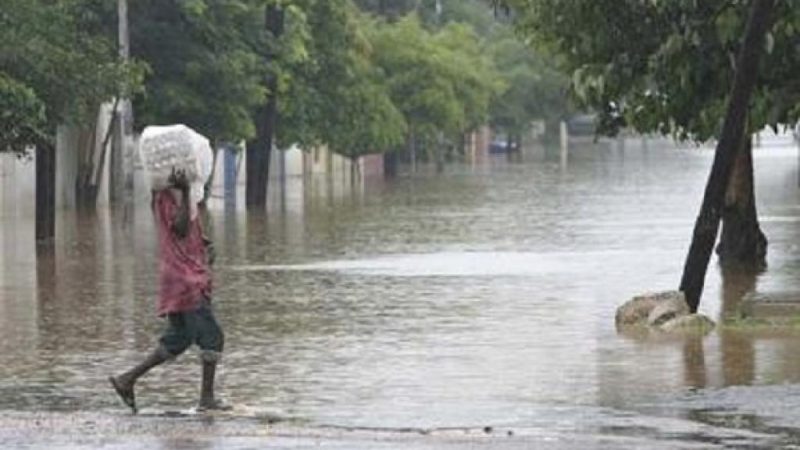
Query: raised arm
[(180, 226)]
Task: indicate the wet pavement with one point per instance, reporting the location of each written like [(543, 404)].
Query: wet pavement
[(62, 430), (417, 313)]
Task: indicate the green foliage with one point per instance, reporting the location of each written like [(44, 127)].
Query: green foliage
[(389, 9), (492, 63), (334, 96), (472, 72), (390, 77), (664, 67), (440, 81), (474, 13), (21, 115), (535, 89), (355, 82), (207, 62), (57, 65)]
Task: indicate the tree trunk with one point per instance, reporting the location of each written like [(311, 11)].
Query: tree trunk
[(411, 143), (45, 192), (259, 150), (90, 174), (355, 171), (125, 117), (390, 164), (85, 190), (440, 153), (738, 354), (742, 244), (707, 223)]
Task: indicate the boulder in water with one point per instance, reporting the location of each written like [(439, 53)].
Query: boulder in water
[(668, 309), (651, 309)]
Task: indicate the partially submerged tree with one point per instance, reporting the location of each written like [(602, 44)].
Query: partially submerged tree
[(57, 65), (203, 72), (336, 96), (259, 149), (218, 67), (733, 133), (426, 79), (205, 69), (668, 67)]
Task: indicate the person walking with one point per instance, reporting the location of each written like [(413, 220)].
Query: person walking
[(184, 294)]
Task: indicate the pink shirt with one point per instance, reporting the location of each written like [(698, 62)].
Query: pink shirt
[(184, 275)]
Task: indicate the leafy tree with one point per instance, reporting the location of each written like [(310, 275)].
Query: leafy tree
[(259, 149), (664, 66), (523, 85), (475, 88), (668, 67), (57, 65), (335, 96), (22, 115), (535, 90), (389, 9), (474, 13), (205, 66), (425, 76)]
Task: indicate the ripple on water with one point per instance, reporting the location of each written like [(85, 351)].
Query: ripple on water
[(477, 297)]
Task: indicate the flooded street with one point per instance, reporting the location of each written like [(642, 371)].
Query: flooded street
[(429, 305)]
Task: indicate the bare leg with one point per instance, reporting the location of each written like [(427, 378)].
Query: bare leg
[(124, 384), (207, 399)]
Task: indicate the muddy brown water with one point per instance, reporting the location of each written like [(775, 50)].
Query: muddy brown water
[(481, 297)]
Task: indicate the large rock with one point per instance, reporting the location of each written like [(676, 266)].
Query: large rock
[(668, 309), (689, 323), (652, 309)]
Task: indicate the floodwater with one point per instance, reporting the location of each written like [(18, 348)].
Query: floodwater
[(484, 297)]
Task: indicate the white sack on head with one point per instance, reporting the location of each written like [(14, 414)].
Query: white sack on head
[(164, 148)]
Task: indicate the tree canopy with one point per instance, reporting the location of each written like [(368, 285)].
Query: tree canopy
[(206, 64), (57, 65), (440, 80), (356, 75), (535, 89), (335, 96), (664, 66)]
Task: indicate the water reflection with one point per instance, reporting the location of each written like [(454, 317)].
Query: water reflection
[(738, 348), (694, 362), (485, 295)]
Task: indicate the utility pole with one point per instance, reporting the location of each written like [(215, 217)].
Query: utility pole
[(123, 155), (440, 156)]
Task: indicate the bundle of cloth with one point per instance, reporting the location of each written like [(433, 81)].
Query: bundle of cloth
[(169, 148)]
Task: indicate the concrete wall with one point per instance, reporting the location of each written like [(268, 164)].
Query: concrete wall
[(477, 145), (69, 152), (293, 162), (17, 186), (290, 171), (371, 166)]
